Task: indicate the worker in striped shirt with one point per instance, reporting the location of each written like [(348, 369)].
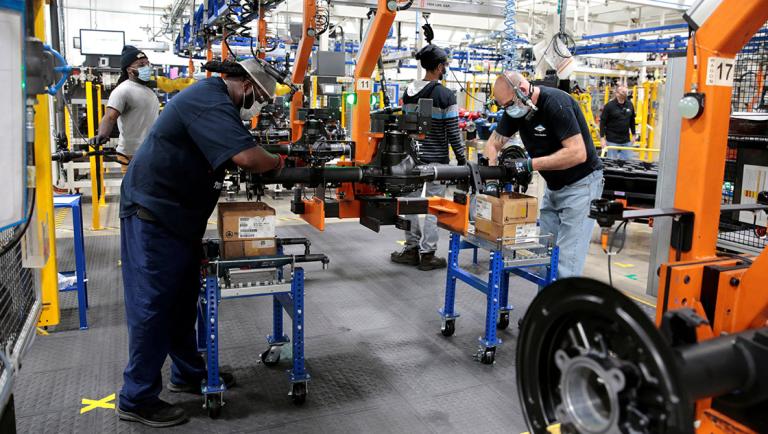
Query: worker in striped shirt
[(421, 242)]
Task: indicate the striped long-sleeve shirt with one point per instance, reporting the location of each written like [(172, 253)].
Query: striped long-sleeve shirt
[(445, 122)]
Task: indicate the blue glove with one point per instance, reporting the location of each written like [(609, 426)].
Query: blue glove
[(519, 166)]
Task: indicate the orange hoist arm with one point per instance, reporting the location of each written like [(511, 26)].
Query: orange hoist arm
[(300, 64), (703, 140), (366, 63)]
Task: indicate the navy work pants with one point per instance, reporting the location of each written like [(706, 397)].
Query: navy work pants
[(161, 280)]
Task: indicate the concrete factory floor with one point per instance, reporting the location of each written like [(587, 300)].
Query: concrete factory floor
[(373, 345)]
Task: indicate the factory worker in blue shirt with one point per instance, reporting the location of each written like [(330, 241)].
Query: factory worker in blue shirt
[(169, 192)]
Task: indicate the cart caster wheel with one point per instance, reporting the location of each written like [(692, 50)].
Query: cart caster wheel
[(449, 328), (213, 404), (488, 356), (299, 393), (503, 322), (271, 357)]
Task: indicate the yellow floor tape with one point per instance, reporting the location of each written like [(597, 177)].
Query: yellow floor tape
[(91, 404), (553, 429)]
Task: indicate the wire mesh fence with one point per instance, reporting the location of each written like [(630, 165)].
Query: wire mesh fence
[(17, 295), (742, 231), (750, 91)]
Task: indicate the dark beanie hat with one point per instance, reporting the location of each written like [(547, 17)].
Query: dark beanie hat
[(431, 56), (129, 55)]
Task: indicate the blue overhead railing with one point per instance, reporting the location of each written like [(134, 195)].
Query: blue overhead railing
[(677, 44), (636, 31)]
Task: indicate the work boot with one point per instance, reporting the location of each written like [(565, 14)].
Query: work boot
[(226, 378), (408, 256), (431, 262), (157, 415)]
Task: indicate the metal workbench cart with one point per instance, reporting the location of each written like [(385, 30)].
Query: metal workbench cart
[(277, 276), (532, 258)]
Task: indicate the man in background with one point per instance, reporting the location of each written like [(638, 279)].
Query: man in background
[(132, 105), (421, 242), (617, 125)]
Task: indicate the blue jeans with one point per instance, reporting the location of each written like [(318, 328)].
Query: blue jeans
[(621, 154), (161, 280), (424, 238), (564, 214)]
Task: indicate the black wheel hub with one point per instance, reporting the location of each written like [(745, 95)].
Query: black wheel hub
[(590, 359)]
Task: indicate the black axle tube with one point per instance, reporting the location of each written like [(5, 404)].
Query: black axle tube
[(334, 174), (722, 365)]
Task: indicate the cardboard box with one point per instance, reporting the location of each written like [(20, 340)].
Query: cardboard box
[(246, 229), (516, 233), (509, 208)]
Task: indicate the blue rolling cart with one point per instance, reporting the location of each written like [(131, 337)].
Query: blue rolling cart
[(534, 259), (253, 277)]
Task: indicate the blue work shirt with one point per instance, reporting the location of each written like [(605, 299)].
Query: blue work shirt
[(178, 171)]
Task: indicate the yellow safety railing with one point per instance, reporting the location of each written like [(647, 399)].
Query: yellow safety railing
[(90, 111), (585, 103), (44, 212)]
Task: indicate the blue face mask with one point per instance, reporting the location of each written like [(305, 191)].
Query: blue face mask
[(144, 73), (517, 111)]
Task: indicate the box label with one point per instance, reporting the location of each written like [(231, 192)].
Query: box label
[(527, 233), (484, 209), (257, 227), (263, 244)]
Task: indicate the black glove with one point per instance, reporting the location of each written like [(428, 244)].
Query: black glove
[(519, 166), (461, 161), (98, 140), (492, 188)]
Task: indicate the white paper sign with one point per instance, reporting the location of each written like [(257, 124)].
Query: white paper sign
[(720, 71), (12, 170), (484, 209), (257, 227), (364, 84), (754, 180)]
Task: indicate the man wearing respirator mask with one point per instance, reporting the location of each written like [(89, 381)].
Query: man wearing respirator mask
[(171, 189), (556, 136), (132, 105)]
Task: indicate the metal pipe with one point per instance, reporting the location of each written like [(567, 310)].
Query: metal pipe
[(269, 262)]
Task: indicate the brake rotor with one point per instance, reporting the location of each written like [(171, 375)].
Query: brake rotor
[(590, 359)]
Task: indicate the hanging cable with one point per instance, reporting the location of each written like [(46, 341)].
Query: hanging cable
[(509, 41), (619, 233)]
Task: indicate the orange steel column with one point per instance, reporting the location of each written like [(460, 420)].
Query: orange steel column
[(301, 63), (224, 49), (262, 36), (208, 56), (262, 27), (366, 63), (703, 140)]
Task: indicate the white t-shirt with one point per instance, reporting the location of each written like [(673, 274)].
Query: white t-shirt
[(139, 108)]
